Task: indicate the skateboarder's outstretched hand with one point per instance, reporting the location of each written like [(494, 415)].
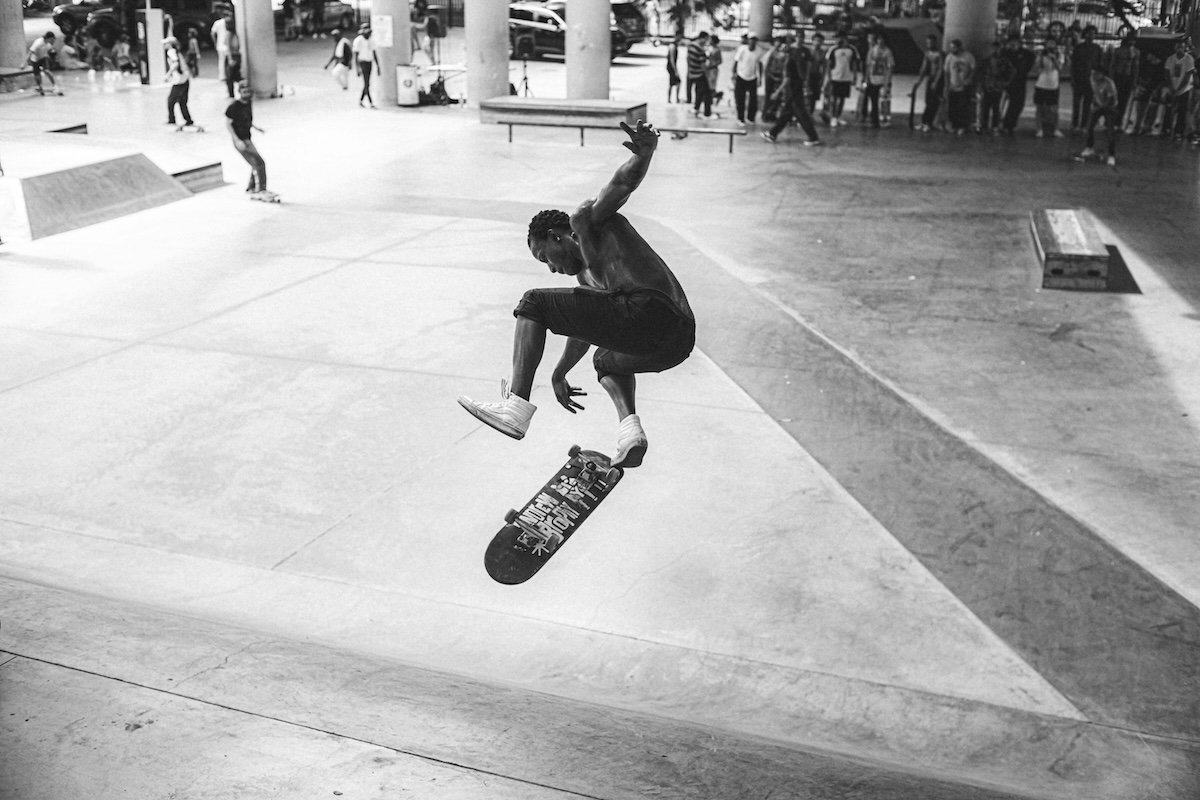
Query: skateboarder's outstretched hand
[(565, 391), (643, 139)]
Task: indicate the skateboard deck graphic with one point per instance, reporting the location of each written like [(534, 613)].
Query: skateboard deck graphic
[(532, 535)]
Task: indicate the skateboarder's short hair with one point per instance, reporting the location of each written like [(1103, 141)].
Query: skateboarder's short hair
[(543, 221)]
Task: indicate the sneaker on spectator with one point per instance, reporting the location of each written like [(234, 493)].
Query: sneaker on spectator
[(811, 142), (1111, 161), (1087, 152)]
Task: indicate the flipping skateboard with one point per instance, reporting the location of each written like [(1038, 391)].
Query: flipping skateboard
[(531, 536)]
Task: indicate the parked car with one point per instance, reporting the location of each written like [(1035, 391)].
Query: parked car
[(538, 29), (337, 15), (630, 19), (106, 20)]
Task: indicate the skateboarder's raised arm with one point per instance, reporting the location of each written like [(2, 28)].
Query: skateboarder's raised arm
[(642, 142)]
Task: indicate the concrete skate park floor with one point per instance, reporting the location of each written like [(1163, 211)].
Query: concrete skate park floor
[(901, 504)]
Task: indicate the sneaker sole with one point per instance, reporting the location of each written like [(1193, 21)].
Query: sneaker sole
[(633, 458), (507, 430)]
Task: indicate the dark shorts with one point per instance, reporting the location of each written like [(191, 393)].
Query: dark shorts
[(840, 88), (38, 67), (636, 332)]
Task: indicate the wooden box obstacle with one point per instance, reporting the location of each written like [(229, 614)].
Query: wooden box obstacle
[(1070, 249)]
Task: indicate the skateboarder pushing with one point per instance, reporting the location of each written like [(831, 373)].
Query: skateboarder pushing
[(628, 304)]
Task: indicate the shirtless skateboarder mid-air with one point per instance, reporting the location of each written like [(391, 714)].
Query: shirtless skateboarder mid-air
[(628, 304)]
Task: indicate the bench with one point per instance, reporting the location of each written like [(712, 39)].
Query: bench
[(12, 80), (1070, 249), (582, 114)]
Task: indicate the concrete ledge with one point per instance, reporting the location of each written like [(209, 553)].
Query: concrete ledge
[(1070, 249), (13, 80), (560, 111), (202, 178)]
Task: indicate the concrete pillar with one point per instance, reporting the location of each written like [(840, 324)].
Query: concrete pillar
[(762, 19), (589, 48), (256, 32), (391, 31), (973, 21), (486, 28), (12, 34), (154, 68)]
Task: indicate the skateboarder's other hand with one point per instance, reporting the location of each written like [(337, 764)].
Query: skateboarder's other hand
[(643, 138), (565, 391)]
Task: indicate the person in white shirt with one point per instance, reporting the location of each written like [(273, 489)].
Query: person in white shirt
[(1181, 70), (222, 29), (41, 58), (747, 64), (340, 59), (367, 61)]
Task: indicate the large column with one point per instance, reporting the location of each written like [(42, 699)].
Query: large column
[(973, 21), (589, 48), (486, 23), (256, 33), (12, 34), (391, 31), (762, 19)]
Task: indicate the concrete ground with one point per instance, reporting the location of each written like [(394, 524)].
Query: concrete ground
[(910, 526)]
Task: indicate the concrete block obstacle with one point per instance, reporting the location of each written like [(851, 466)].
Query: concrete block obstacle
[(1069, 249)]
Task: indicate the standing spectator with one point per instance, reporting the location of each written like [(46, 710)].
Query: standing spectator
[(1147, 96), (773, 69), (41, 57), (123, 53), (673, 80), (1021, 60), (816, 76), (843, 73), (880, 66), (994, 75), (697, 83), (1086, 55), (341, 58), (221, 32), (180, 77), (747, 64), (1180, 73), (367, 61), (1104, 93), (233, 69), (933, 75), (1045, 90), (712, 68), (317, 18), (193, 52), (1123, 65), (791, 97), (239, 121), (960, 77)]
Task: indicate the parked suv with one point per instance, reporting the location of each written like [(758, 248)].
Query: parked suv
[(630, 19), (108, 19), (538, 29)]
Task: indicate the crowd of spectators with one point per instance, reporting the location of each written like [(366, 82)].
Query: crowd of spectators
[(846, 83)]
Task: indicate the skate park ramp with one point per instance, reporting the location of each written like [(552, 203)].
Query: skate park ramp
[(39, 204), (908, 528)]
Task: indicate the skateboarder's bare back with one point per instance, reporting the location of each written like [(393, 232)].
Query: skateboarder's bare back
[(628, 304)]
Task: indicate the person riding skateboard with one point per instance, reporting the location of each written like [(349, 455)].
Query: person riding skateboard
[(628, 304)]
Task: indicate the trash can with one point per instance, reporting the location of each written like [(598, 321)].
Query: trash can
[(408, 85)]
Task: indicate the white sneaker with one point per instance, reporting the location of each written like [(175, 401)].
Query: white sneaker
[(510, 416), (1087, 152), (631, 443), (1112, 161)]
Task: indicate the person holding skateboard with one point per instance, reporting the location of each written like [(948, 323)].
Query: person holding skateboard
[(628, 304)]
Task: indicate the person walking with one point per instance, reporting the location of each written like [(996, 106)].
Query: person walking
[(180, 78), (41, 58), (367, 61), (340, 59), (239, 121), (791, 100), (747, 66), (773, 67)]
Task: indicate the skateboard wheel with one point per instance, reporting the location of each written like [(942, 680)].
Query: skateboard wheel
[(510, 516), (574, 451), (612, 474)]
